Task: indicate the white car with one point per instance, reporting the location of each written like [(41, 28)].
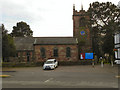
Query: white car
[(50, 64), (117, 61)]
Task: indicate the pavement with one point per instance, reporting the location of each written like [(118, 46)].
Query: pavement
[(80, 76)]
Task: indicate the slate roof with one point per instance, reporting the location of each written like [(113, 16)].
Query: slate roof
[(55, 40), (26, 43)]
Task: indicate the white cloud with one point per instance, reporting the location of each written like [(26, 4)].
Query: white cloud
[(45, 17)]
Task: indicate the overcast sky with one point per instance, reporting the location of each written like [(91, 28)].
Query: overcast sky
[(45, 17)]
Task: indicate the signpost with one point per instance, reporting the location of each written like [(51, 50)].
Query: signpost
[(89, 56), (82, 56), (86, 56)]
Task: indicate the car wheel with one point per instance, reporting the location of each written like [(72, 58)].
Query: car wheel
[(56, 65), (54, 68)]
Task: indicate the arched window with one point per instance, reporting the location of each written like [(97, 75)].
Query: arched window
[(55, 52), (28, 56), (68, 52), (28, 53), (42, 50)]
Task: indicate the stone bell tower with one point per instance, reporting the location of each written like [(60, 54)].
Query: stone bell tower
[(81, 30)]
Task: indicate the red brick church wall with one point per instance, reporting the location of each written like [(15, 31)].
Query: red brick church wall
[(61, 52)]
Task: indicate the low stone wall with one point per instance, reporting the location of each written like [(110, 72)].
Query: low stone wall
[(69, 63), (21, 64), (34, 64), (14, 59)]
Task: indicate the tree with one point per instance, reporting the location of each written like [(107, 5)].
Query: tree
[(21, 30), (104, 19), (8, 47)]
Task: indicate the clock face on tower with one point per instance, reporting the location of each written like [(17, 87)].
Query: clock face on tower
[(82, 32)]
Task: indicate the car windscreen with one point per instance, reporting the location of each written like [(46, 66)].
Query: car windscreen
[(49, 62)]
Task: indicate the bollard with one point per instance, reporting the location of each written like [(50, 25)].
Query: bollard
[(101, 63), (112, 63), (93, 64)]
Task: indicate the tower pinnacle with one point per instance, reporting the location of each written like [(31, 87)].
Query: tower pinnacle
[(73, 6), (81, 6)]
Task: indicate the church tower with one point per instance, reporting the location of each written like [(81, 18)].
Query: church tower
[(81, 30)]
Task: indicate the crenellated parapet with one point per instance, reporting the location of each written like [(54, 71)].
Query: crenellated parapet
[(79, 13)]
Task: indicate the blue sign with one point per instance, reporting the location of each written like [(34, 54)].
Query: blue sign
[(88, 55)]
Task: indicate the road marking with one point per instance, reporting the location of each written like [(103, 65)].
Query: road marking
[(3, 76), (117, 76), (48, 80)]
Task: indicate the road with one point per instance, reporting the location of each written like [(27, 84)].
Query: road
[(83, 76)]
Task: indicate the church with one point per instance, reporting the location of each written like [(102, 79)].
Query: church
[(38, 49)]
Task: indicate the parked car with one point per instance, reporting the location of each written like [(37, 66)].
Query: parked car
[(50, 64), (117, 61)]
